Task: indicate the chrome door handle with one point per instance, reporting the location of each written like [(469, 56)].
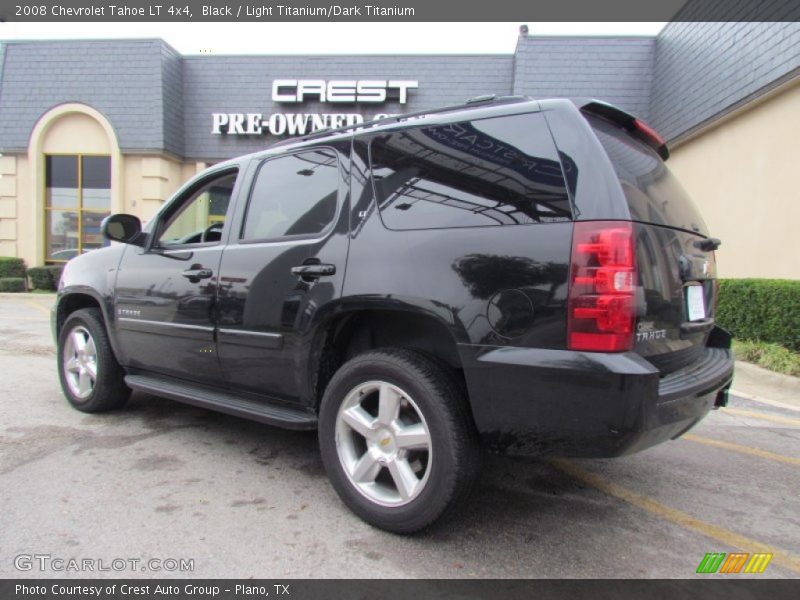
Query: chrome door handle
[(195, 275), (314, 271)]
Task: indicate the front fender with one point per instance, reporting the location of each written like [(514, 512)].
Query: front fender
[(88, 280)]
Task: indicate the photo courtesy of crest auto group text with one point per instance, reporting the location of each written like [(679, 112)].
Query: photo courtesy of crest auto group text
[(313, 301)]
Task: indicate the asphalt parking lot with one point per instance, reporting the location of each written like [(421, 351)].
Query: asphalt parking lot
[(163, 480)]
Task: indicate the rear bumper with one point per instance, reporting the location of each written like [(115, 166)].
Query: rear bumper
[(530, 401)]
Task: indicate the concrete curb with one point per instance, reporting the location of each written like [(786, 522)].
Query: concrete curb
[(755, 383), (28, 295)]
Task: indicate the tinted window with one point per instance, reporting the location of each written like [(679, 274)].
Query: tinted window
[(293, 195), (61, 181), (96, 175), (501, 171), (653, 193), (77, 199)]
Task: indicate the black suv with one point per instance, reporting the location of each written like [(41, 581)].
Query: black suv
[(521, 275)]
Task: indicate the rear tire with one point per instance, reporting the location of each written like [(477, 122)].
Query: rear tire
[(91, 378), (397, 439)]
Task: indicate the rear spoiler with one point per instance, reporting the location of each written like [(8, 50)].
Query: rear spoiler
[(636, 127)]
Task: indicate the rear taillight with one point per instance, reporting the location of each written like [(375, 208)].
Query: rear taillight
[(602, 287)]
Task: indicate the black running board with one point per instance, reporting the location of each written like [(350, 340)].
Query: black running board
[(224, 402)]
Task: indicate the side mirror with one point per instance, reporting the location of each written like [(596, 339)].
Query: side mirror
[(123, 228)]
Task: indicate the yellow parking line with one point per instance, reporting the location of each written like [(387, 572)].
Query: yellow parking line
[(789, 460), (763, 416), (725, 536), (38, 306)]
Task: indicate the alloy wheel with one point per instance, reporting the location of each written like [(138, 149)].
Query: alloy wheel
[(383, 443), (80, 362)]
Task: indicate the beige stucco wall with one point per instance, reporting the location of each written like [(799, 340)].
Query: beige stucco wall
[(147, 181), (11, 178), (743, 174), (75, 133), (140, 183), (150, 180)]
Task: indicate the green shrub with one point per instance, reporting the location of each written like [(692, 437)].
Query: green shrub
[(765, 310), (769, 356), (55, 274), (12, 267), (12, 284), (45, 278), (40, 278)]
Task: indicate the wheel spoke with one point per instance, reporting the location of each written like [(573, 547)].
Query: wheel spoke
[(91, 369), (366, 468), (359, 420), (388, 404), (84, 382), (413, 437), (90, 348), (404, 477), (78, 341)]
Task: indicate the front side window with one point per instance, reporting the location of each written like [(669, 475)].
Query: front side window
[(498, 171), (77, 199), (293, 196), (199, 219)]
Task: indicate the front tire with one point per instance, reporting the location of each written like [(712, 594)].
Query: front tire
[(397, 439), (91, 377)]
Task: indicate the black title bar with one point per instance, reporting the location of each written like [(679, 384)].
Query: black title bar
[(398, 10)]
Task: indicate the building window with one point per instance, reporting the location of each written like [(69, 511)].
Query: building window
[(77, 199)]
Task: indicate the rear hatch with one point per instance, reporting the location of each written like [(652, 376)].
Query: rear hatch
[(675, 265)]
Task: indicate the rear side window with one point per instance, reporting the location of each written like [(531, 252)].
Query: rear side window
[(653, 193), (499, 171), (293, 195)]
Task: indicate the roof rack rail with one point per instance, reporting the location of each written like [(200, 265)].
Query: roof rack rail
[(321, 133)]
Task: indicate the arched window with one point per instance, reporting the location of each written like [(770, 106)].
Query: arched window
[(76, 169)]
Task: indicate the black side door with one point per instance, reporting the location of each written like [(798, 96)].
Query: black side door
[(283, 264), (165, 298)]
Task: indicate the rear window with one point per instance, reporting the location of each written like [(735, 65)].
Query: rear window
[(653, 193), (497, 171)]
